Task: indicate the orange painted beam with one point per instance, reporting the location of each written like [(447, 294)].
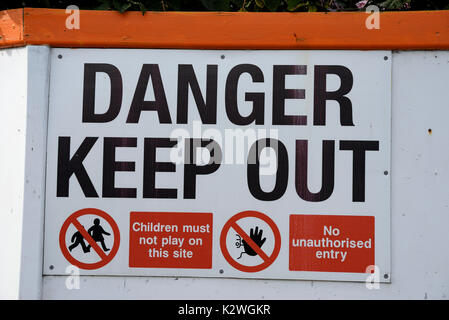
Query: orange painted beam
[(11, 28), (232, 30)]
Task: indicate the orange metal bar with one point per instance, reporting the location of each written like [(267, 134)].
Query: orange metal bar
[(225, 30)]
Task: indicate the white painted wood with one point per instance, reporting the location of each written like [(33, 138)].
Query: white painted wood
[(24, 103), (35, 159), (13, 91)]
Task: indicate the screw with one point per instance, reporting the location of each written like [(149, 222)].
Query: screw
[(59, 56), (222, 56), (386, 172), (385, 58), (221, 271), (51, 267), (386, 275)]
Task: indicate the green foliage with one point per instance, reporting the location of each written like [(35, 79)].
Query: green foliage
[(216, 5), (230, 5)]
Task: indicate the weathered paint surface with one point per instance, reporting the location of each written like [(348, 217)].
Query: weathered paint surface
[(419, 202), (419, 211), (227, 30)]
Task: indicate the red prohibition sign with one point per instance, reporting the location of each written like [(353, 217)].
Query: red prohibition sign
[(267, 260), (72, 219)]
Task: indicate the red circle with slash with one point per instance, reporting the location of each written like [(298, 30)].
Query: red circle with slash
[(267, 260), (72, 219)]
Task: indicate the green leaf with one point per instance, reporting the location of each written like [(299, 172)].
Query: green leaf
[(106, 5), (237, 3), (116, 4), (143, 8), (393, 4), (293, 5), (260, 3), (125, 7), (272, 5), (313, 8), (216, 5), (140, 5)]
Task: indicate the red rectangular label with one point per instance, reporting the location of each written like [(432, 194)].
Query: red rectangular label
[(170, 240), (331, 243)]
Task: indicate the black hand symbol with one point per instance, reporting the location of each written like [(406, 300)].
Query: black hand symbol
[(256, 236)]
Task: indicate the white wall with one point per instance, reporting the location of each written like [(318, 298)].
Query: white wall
[(35, 158), (13, 79), (419, 198), (419, 211), (23, 106)]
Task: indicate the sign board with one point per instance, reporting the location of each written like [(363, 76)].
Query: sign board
[(250, 164)]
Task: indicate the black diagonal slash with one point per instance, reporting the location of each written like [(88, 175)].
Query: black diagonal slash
[(89, 239), (250, 242)]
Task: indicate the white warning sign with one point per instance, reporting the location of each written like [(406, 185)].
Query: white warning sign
[(246, 164)]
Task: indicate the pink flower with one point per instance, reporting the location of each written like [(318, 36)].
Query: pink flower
[(361, 4)]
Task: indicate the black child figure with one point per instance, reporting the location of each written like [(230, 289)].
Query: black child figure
[(97, 232), (78, 239)]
